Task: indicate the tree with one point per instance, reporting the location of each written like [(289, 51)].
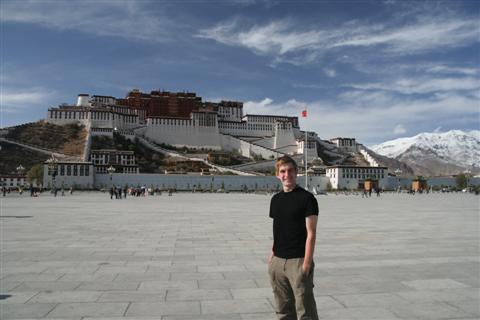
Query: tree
[(461, 181), (329, 186), (35, 174)]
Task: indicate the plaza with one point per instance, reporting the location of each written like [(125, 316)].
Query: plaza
[(203, 256)]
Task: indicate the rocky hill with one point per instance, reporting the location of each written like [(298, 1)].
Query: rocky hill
[(11, 156), (68, 139)]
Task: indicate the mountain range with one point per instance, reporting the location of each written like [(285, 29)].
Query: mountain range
[(436, 153)]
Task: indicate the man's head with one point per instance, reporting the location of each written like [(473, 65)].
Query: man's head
[(286, 170)]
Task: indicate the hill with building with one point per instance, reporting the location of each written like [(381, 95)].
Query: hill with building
[(163, 132)]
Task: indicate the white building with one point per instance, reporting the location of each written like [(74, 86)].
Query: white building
[(345, 144), (123, 161), (353, 177), (13, 181), (96, 113), (68, 174)]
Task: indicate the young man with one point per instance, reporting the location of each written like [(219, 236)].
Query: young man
[(294, 212)]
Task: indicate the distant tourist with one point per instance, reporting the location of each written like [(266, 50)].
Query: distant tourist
[(290, 265)]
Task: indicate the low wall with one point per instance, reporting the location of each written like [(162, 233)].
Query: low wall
[(394, 182), (205, 182), (188, 182)]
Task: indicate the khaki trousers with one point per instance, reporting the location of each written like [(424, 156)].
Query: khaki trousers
[(292, 289)]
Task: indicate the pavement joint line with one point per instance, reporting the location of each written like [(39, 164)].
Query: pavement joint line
[(46, 315), (340, 302), (126, 309)]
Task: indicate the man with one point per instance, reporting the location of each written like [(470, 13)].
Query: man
[(294, 212)]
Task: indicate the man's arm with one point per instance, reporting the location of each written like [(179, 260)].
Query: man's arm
[(311, 224)]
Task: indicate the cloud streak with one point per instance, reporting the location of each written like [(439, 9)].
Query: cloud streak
[(14, 101), (286, 41), (423, 85), (125, 19)]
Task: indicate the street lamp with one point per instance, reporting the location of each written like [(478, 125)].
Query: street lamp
[(398, 172), (52, 169), (467, 176), (20, 170), (111, 171)]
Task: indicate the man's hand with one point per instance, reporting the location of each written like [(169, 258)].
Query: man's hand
[(307, 265), (270, 257)]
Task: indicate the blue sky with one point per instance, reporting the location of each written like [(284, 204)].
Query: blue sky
[(373, 70)]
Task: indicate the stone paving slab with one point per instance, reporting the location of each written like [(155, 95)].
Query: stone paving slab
[(203, 256)]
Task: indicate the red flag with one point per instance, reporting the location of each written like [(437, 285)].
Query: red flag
[(304, 113)]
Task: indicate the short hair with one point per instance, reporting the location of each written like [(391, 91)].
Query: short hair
[(284, 160)]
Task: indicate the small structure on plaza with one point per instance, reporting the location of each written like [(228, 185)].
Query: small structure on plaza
[(419, 184), (370, 184)]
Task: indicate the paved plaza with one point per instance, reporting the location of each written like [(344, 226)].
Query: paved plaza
[(203, 256)]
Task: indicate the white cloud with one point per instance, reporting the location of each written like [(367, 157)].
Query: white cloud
[(375, 120), (287, 42), (423, 35), (330, 72), (437, 130), (423, 85), (453, 70), (14, 101), (399, 129), (267, 106), (126, 19)]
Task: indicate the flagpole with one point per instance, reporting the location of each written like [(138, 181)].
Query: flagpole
[(306, 174), (305, 146)]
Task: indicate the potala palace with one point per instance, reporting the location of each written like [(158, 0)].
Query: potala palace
[(182, 119)]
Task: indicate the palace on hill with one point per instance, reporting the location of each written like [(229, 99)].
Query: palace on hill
[(182, 119)]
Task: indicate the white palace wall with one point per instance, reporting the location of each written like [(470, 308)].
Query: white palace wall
[(245, 129), (182, 132), (246, 148), (284, 140)]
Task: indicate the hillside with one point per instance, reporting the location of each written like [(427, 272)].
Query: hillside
[(393, 164), (11, 156), (68, 139), (148, 160)]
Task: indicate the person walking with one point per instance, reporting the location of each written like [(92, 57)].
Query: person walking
[(290, 265)]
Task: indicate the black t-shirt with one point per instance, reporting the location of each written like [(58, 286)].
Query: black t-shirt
[(288, 211)]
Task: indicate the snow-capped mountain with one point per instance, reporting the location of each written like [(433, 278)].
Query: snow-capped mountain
[(436, 153)]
